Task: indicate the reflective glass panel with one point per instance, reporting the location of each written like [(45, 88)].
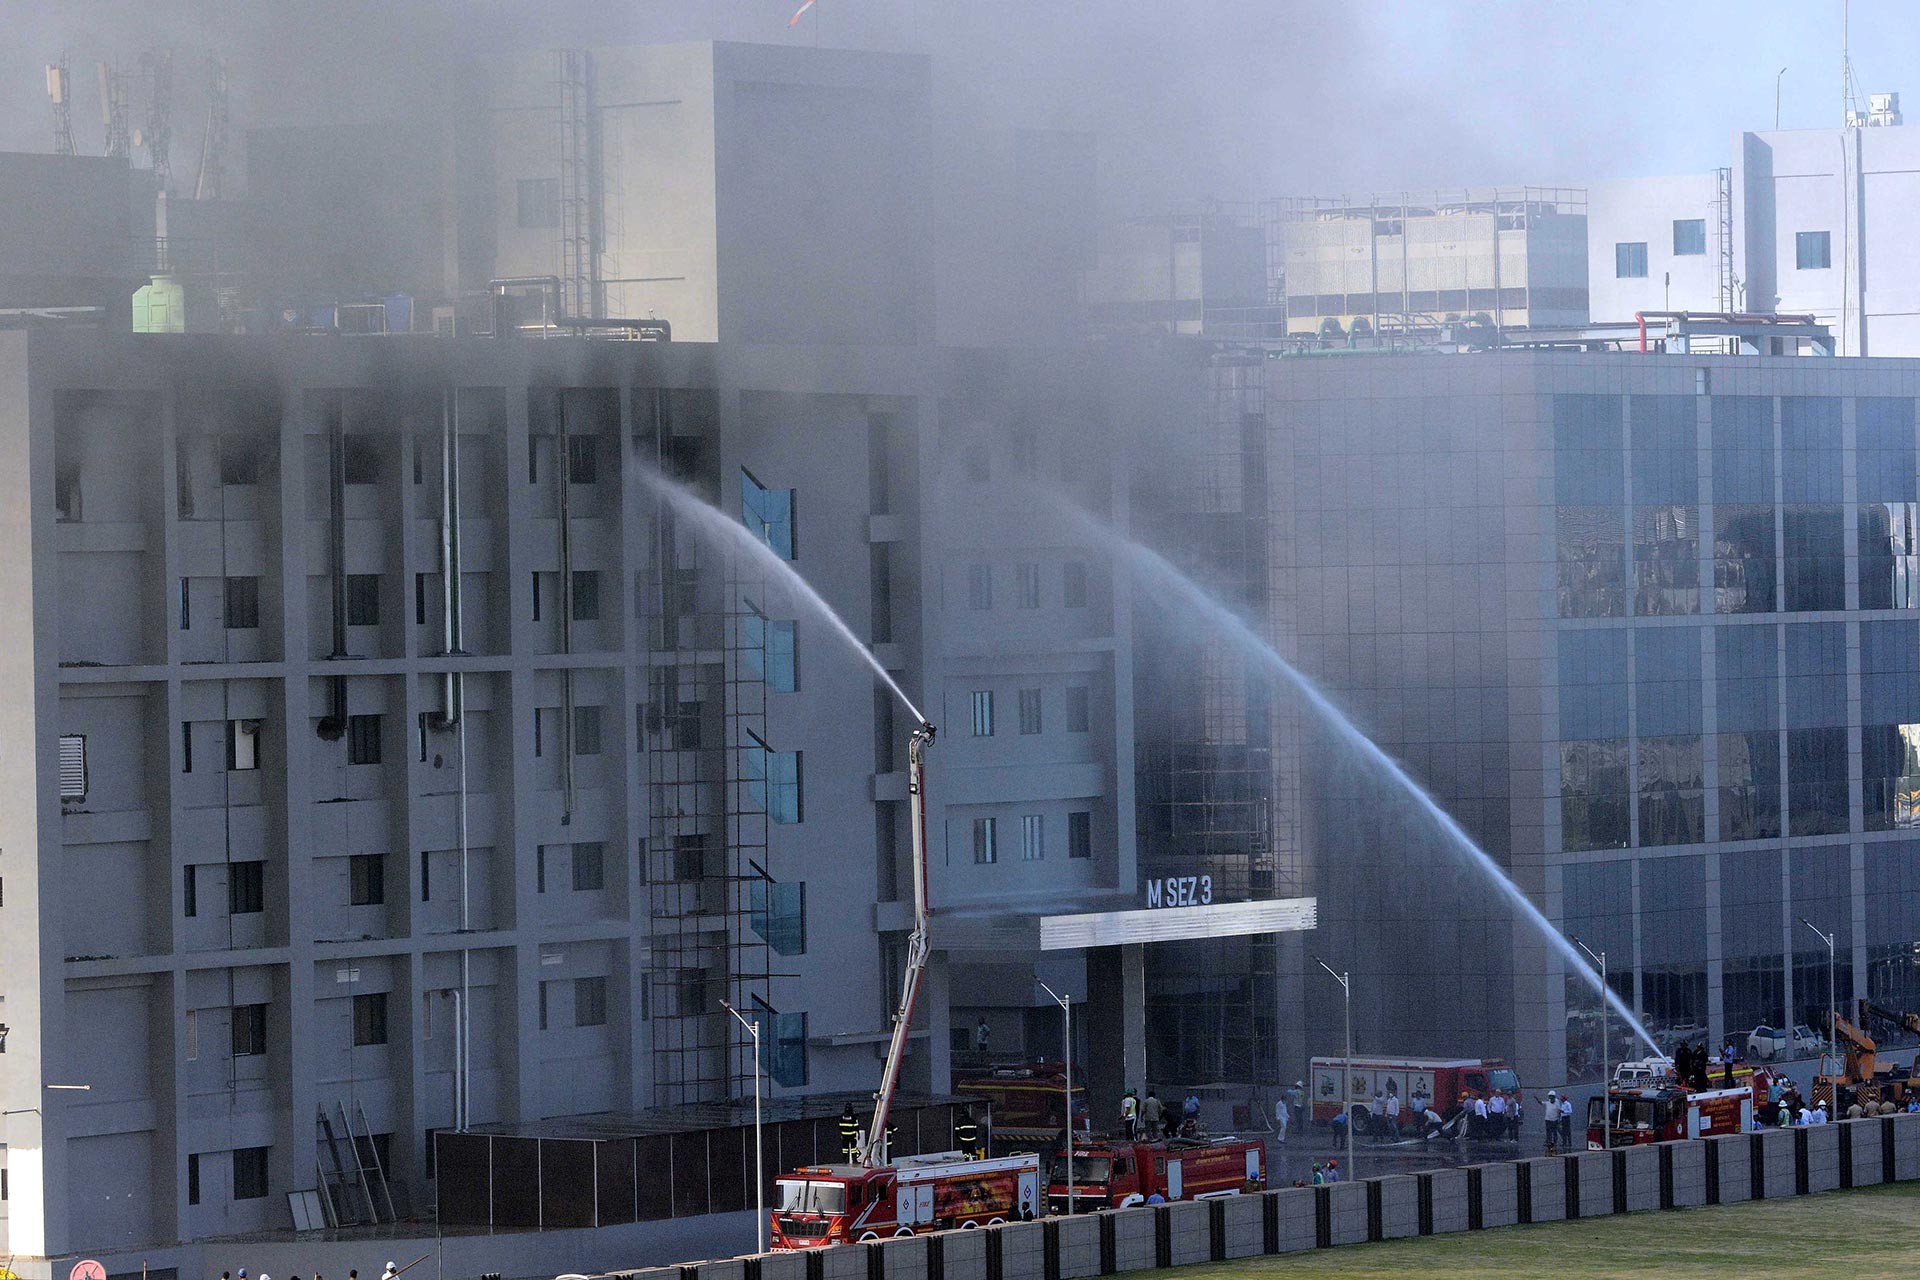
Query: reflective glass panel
[(1745, 559)]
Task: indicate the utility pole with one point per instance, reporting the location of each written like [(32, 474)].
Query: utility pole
[(1066, 1010), (1606, 1057), (759, 1165), (1833, 1008), (1346, 1069)]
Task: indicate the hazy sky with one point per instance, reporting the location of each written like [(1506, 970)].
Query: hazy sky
[(1235, 98)]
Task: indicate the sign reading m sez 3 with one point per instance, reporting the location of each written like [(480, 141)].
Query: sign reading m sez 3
[(1180, 891)]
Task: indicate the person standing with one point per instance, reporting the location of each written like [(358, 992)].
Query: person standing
[(1297, 1097), (849, 1134), (982, 1035), (1282, 1117), (1151, 1116), (967, 1135), (1497, 1115), (1129, 1113), (1393, 1115)]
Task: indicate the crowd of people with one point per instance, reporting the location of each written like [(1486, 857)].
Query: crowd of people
[(1149, 1118)]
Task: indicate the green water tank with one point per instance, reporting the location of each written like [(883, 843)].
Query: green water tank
[(160, 307)]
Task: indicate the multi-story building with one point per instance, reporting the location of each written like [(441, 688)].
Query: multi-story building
[(1802, 221), (1646, 625), (384, 756)]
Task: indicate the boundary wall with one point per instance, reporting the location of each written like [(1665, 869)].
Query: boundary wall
[(1767, 1165)]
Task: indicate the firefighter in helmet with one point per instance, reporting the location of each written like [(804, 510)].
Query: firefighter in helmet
[(849, 1134), (966, 1134)]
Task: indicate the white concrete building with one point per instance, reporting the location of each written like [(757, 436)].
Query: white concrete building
[(1802, 221)]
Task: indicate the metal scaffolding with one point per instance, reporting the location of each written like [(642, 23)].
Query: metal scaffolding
[(706, 843)]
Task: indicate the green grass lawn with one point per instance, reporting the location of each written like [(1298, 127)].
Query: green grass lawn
[(1846, 1235)]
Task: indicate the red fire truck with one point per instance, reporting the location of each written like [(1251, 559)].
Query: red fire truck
[(1112, 1174), (842, 1203), (1442, 1080), (1028, 1103), (1652, 1106)]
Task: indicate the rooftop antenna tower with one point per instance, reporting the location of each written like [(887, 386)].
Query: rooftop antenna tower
[(1850, 111), (113, 111), (213, 143), (60, 92), (158, 139)]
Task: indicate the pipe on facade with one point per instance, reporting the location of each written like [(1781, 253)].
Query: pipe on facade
[(562, 471)]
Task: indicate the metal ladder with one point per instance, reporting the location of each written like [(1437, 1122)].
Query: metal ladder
[(354, 1192)]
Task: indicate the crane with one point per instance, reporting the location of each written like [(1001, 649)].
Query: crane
[(60, 92), (873, 1151)]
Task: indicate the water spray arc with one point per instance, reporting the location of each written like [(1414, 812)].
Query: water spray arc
[(1170, 582)]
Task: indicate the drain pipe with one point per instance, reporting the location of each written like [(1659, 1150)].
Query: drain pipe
[(453, 708), (563, 477), (335, 722)]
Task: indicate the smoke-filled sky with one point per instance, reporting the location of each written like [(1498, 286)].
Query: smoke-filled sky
[(1230, 98)]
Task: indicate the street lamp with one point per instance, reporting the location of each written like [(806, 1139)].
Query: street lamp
[(759, 1168), (1066, 1013), (1346, 1069), (1606, 1057), (1776, 97), (1833, 1007)]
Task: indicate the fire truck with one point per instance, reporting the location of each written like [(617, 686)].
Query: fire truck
[(1113, 1174), (1028, 1103), (1652, 1105), (847, 1203), (1443, 1080)]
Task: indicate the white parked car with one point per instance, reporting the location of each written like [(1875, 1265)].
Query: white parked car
[(1798, 1041)]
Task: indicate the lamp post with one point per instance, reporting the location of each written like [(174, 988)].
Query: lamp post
[(759, 1168), (1066, 1013), (1776, 98), (1346, 1067), (1606, 1057), (1833, 1007)]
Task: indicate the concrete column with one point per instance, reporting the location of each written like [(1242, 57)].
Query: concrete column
[(1116, 1036)]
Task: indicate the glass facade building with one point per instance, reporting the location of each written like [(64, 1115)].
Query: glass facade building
[(1648, 626)]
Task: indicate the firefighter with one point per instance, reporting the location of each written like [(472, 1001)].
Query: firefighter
[(849, 1134), (967, 1134)]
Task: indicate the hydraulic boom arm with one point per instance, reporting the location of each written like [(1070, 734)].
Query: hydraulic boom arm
[(874, 1150)]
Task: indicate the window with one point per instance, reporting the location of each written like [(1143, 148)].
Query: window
[(1630, 260), (540, 869), (589, 1002), (193, 1177), (784, 800), (536, 597), (363, 599), (1029, 711), (783, 1055), (781, 662), (769, 514), (243, 603), (186, 604), (73, 766), (543, 1004), (239, 461), (363, 739), (1689, 237), (586, 731), (589, 866), (1074, 585), (1027, 586), (190, 890), (370, 1019), (1812, 250), (1033, 837), (979, 586), (367, 879), (583, 460), (186, 746), (361, 460), (192, 1036), (1077, 714), (246, 888), (985, 848), (249, 1030), (586, 595), (1080, 834), (250, 1173), (419, 599), (66, 493), (983, 713), (777, 910), (537, 202), (243, 745)]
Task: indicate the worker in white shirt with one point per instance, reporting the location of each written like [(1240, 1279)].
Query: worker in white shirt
[(1497, 1116), (1282, 1117), (1393, 1113)]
